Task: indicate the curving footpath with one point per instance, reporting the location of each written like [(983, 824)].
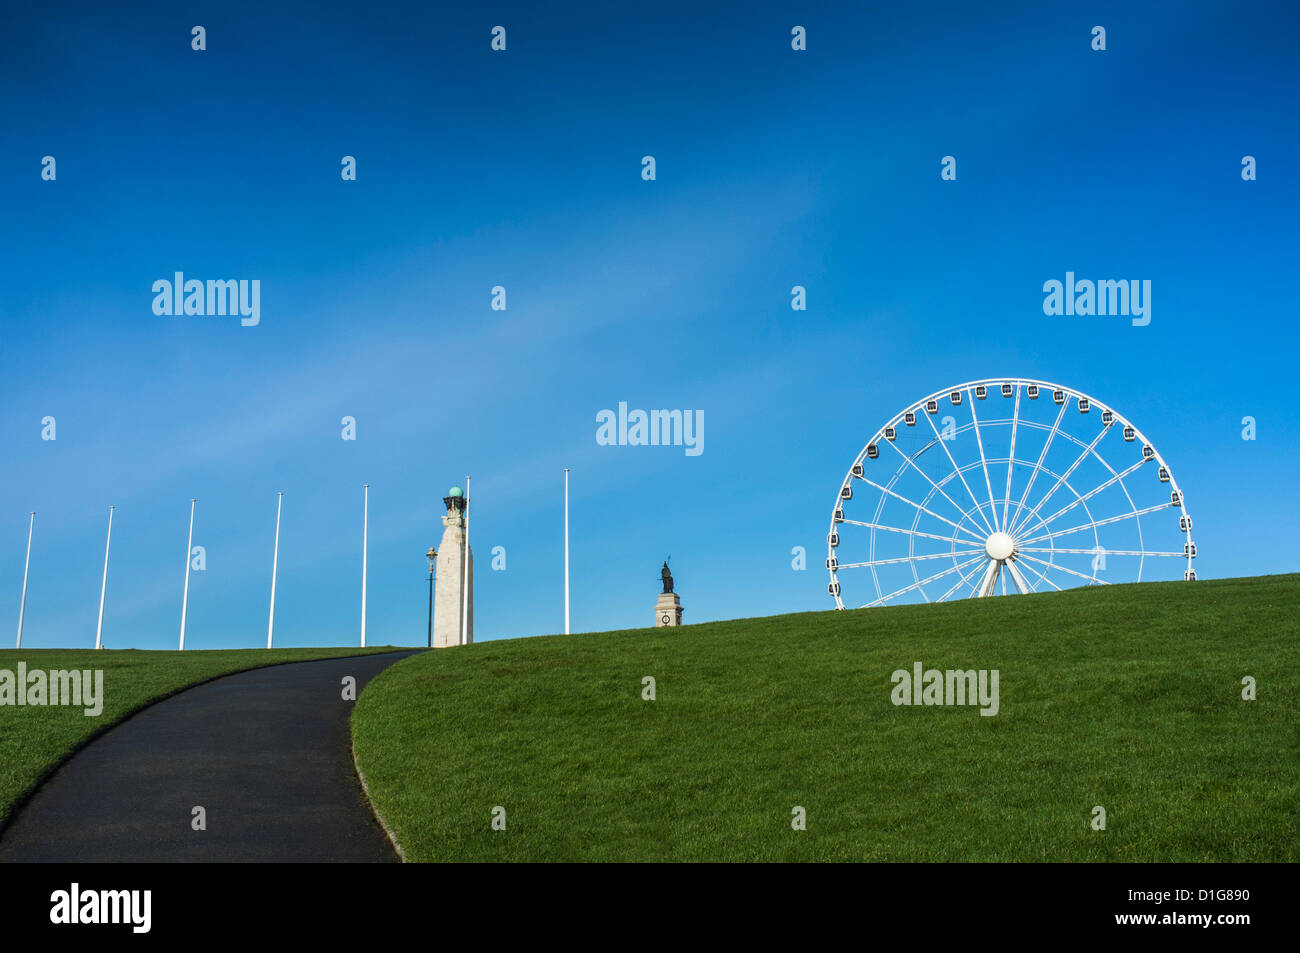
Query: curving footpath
[(267, 753)]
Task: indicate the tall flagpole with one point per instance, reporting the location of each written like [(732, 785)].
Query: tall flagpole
[(464, 601), (103, 585), (566, 550), (22, 606), (365, 540), (275, 566), (185, 599)]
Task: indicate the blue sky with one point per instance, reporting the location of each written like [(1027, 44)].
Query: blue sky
[(522, 169)]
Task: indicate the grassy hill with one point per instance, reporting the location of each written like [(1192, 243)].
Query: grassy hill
[(35, 741), (1127, 697)]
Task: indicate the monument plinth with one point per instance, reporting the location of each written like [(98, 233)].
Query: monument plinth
[(455, 560), (668, 608)]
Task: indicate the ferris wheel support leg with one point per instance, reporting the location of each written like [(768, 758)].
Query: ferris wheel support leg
[(989, 585), (1017, 578)]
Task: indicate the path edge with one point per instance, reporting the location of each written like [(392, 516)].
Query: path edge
[(374, 808), (19, 802)]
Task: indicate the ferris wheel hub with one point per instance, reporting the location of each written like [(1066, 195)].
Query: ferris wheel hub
[(1000, 546), (1015, 493)]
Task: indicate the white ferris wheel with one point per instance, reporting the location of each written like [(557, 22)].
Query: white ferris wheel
[(1004, 486)]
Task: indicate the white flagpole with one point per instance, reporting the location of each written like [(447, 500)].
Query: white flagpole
[(275, 566), (464, 568), (22, 606), (566, 550), (103, 585), (365, 540), (185, 599)]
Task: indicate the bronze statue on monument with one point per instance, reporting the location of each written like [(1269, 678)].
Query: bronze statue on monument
[(668, 609)]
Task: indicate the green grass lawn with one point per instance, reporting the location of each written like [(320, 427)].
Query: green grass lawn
[(1127, 697), (33, 741)]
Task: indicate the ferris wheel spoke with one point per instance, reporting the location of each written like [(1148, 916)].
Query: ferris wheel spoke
[(1011, 458), (921, 508), (1066, 475), (1017, 535), (1093, 492), (979, 439), (907, 559), (959, 583), (1094, 523), (943, 443), (921, 582), (959, 509), (1072, 572), (1039, 465), (1043, 578), (1108, 552), (898, 529)]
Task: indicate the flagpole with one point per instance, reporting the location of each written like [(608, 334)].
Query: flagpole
[(103, 585), (185, 599), (22, 606), (464, 601), (365, 542), (566, 550), (275, 566)]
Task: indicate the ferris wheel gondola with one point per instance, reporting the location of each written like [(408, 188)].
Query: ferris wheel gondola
[(1016, 496)]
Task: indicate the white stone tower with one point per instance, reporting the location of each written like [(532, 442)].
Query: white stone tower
[(454, 560)]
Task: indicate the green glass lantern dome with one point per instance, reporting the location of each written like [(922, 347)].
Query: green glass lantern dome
[(455, 491)]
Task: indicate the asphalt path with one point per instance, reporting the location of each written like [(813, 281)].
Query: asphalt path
[(266, 753)]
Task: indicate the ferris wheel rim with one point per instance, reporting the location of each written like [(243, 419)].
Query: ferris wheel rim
[(1019, 520)]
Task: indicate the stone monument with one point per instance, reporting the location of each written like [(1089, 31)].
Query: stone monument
[(668, 608), (455, 559)]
